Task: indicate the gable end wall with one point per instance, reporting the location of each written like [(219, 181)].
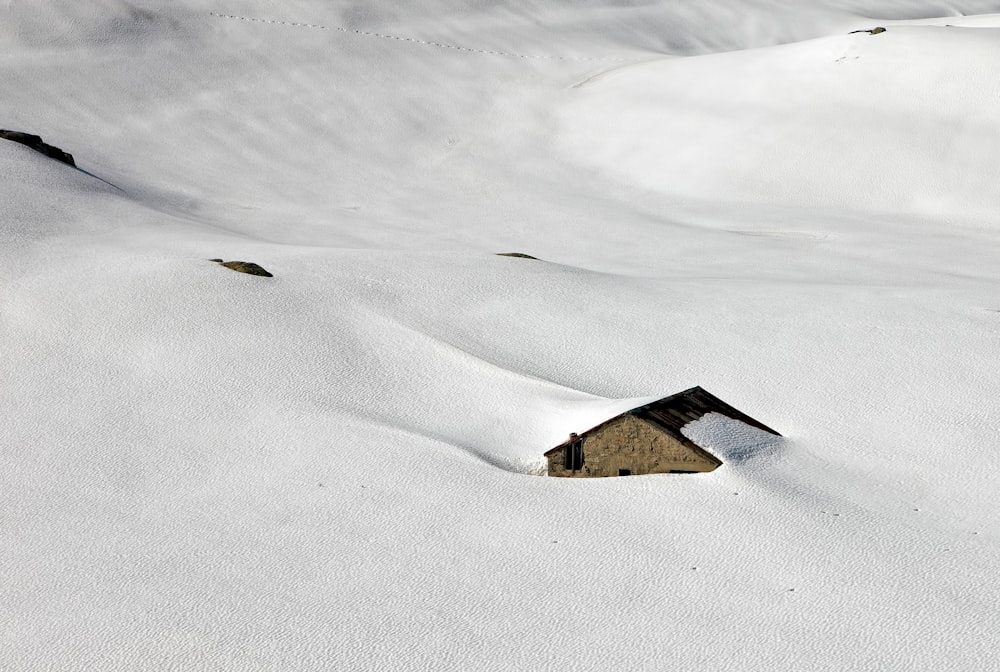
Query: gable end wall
[(631, 443)]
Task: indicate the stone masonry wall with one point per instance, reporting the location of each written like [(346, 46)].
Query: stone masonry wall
[(630, 443)]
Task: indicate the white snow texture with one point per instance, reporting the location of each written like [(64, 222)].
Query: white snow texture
[(335, 468)]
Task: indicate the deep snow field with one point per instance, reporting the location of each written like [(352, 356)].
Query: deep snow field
[(336, 468)]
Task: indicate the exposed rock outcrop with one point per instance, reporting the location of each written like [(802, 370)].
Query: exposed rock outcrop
[(35, 142), (519, 255), (244, 267), (870, 31)]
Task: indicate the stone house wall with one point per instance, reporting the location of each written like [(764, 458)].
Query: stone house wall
[(629, 443)]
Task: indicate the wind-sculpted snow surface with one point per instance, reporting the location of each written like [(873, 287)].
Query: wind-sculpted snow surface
[(900, 122), (333, 467)]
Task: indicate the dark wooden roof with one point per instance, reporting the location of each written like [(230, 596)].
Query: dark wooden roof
[(672, 413), (677, 410)]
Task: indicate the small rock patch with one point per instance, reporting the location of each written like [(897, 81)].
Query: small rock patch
[(35, 142), (519, 255), (871, 31), (244, 267)]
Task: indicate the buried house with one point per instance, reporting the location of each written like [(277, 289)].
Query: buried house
[(645, 440)]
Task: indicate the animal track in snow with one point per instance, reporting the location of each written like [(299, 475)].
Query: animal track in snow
[(783, 235), (401, 38)]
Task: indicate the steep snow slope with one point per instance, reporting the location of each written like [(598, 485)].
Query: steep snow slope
[(328, 469)]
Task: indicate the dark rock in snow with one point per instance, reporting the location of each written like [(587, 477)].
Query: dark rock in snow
[(871, 31), (519, 255), (35, 142), (245, 267)]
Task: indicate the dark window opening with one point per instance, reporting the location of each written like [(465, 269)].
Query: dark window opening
[(624, 472), (678, 471), (574, 456)]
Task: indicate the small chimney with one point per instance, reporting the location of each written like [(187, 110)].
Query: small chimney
[(573, 436)]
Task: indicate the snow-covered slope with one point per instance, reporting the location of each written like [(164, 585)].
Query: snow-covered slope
[(331, 468), (897, 122)]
